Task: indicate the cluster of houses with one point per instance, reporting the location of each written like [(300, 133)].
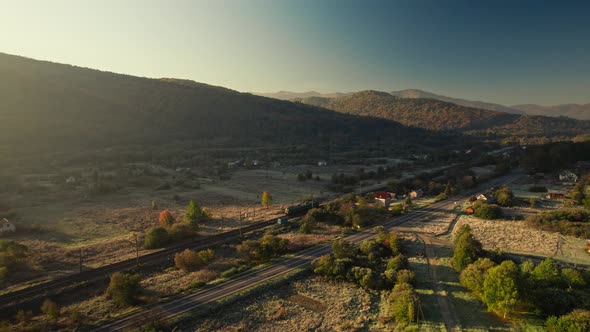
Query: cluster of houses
[(385, 198)]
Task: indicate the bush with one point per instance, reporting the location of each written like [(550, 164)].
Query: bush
[(402, 303), (166, 219), (12, 255), (405, 276), (488, 211), (195, 214), (576, 321), (566, 221), (505, 196), (51, 310), (259, 251), (123, 288), (190, 260), (156, 237), (181, 231)]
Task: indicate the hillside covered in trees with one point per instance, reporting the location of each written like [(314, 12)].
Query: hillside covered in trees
[(444, 116), (49, 106)]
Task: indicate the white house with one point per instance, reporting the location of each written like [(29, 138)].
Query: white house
[(481, 197), (568, 176), (71, 179), (6, 226), (322, 163)]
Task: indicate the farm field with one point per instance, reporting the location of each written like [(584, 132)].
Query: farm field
[(311, 303), (515, 237)]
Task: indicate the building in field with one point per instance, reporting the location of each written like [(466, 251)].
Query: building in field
[(470, 210), (384, 198), (568, 176), (556, 194), (6, 226)]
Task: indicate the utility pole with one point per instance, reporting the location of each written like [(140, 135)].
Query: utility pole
[(240, 226), (136, 250), (80, 260)]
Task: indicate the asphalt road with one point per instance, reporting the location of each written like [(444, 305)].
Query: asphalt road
[(248, 279)]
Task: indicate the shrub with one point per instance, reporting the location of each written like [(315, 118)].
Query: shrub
[(195, 214), (50, 309), (576, 321), (566, 221), (166, 219), (488, 211), (190, 260), (403, 303), (181, 231), (342, 249), (405, 276), (204, 275), (505, 196), (156, 237), (123, 288), (12, 255)]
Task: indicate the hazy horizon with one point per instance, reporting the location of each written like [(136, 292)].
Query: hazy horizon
[(501, 52)]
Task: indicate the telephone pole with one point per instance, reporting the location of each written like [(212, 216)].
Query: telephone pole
[(80, 260), (136, 250)]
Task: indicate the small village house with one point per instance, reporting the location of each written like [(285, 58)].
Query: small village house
[(568, 176), (416, 193), (71, 179), (482, 197), (6, 226), (556, 194), (322, 163), (383, 197), (470, 210)]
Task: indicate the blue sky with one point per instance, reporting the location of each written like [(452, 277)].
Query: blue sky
[(509, 52)]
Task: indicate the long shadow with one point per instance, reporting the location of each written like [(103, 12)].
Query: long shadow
[(471, 314)]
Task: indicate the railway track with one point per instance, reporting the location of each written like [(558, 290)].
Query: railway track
[(55, 285), (168, 310)]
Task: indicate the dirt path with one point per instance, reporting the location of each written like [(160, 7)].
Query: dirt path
[(446, 307)]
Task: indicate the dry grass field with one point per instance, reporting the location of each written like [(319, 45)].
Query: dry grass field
[(515, 237), (309, 304)]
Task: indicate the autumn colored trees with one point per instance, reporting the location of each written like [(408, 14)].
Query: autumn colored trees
[(266, 199)]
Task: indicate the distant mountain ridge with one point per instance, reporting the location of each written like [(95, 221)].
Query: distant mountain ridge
[(575, 111), (417, 94), (439, 115), (288, 95)]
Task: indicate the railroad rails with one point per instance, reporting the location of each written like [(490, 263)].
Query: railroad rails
[(149, 259)]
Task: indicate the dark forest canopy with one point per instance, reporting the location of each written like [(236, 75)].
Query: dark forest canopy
[(47, 105)]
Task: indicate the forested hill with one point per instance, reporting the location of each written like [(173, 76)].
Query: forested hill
[(443, 116), (47, 104)]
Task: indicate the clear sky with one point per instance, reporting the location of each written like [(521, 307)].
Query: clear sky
[(508, 52)]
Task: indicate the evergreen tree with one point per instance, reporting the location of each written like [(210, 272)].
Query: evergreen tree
[(194, 214)]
